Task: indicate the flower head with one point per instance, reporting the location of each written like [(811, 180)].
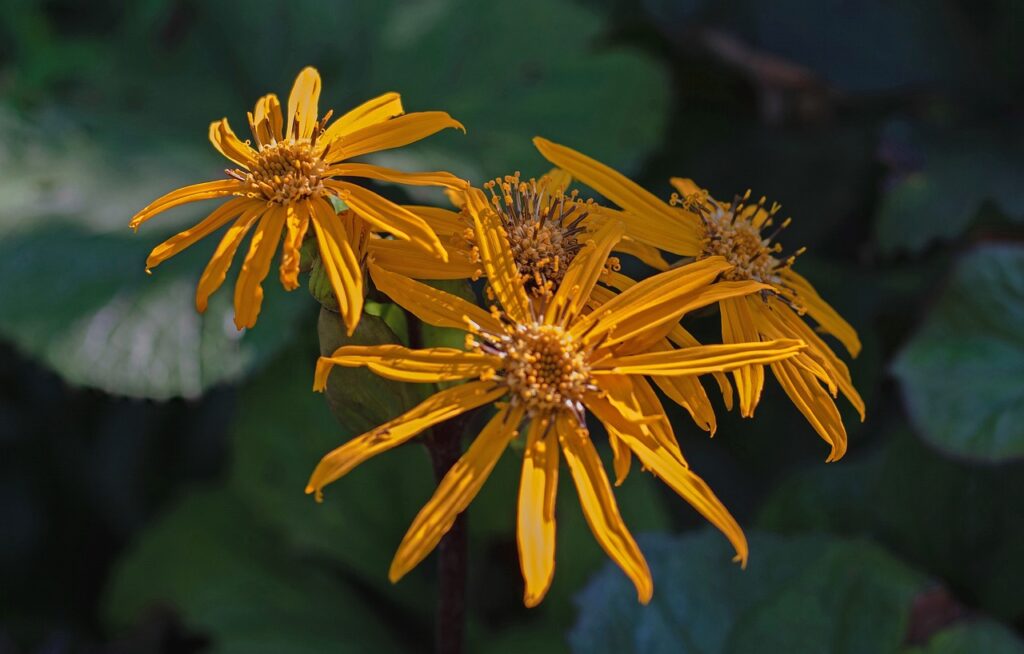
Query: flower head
[(545, 363), (281, 186), (696, 225)]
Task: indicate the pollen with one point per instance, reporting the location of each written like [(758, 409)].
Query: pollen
[(285, 172), (544, 367), (543, 227), (733, 231)]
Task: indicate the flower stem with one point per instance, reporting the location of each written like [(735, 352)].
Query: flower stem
[(445, 449)]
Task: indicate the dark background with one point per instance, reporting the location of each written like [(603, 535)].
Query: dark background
[(153, 461)]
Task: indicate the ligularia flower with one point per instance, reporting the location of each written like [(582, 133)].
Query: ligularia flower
[(282, 186), (696, 225), (544, 362)]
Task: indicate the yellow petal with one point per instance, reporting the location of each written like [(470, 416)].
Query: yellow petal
[(371, 112), (402, 364), (655, 302), (458, 488), (437, 408), (701, 360), (217, 268), (431, 305), (688, 486), (822, 312), (302, 104), (296, 224), (622, 458), (555, 182), (437, 178), (647, 254), (220, 217), (684, 186), (442, 221), (815, 404), (341, 263), (248, 287), (498, 263), (738, 326), (682, 338), (688, 393), (535, 521), (629, 403), (184, 195), (393, 133), (651, 220), (229, 145), (599, 506), (388, 216), (407, 259), (268, 123), (583, 273)]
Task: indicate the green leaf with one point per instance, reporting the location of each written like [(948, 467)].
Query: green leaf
[(974, 636), (961, 373), (81, 303), (211, 559), (939, 201), (803, 594), (907, 496)]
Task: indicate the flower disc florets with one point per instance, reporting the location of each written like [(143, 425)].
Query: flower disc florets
[(545, 368), (285, 172), (543, 228)]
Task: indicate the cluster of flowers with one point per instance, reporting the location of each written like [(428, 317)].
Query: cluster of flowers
[(564, 333)]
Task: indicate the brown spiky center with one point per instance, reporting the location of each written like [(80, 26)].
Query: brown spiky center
[(733, 231), (543, 227), (544, 367), (285, 172)]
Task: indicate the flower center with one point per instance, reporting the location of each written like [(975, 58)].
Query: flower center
[(543, 229), (286, 172), (733, 231), (544, 368)]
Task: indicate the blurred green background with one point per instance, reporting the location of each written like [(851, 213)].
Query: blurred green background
[(153, 460)]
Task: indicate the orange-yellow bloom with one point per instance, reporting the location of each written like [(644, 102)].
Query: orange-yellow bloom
[(545, 363), (282, 186), (696, 225)]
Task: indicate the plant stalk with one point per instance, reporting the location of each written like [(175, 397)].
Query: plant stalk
[(452, 553)]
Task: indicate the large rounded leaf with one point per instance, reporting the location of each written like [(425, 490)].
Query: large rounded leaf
[(81, 303), (811, 594), (962, 373)]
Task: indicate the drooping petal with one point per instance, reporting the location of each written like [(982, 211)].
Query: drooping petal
[(498, 262), (248, 287), (689, 486), (633, 400), (458, 488), (184, 195), (814, 403), (302, 104), (684, 186), (396, 362), (822, 311), (583, 273), (738, 326), (442, 221), (388, 216), (296, 224), (341, 263), (267, 122), (371, 112), (682, 338), (599, 506), (651, 220), (229, 145), (407, 259), (369, 171), (217, 268), (647, 254), (701, 360), (432, 306), (220, 217), (535, 520), (389, 134), (437, 408), (688, 393)]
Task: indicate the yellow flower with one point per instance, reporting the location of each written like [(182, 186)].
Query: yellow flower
[(701, 227), (545, 225), (282, 186), (545, 363)]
